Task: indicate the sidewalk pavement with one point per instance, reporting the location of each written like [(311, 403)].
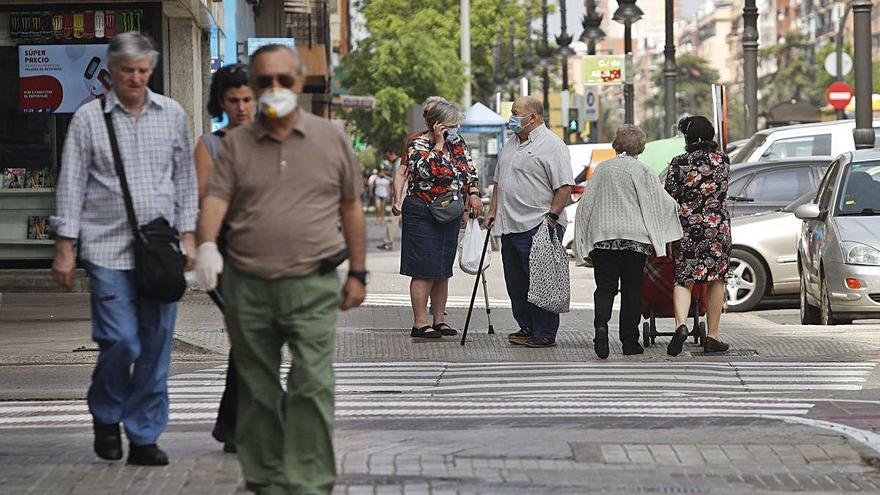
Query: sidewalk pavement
[(55, 329)]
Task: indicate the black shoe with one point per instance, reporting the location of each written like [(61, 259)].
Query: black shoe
[(632, 348), (386, 247), (536, 342), (147, 455), (445, 330), (521, 337), (108, 441), (229, 448), (712, 345), (675, 345), (600, 342), (425, 332)]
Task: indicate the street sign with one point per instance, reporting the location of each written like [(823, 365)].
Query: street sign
[(253, 44), (362, 102), (839, 94), (591, 104), (604, 69), (831, 63)]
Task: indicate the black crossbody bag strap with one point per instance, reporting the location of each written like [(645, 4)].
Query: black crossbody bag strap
[(120, 170)]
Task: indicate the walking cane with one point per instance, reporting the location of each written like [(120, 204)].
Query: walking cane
[(488, 309), (480, 274), (217, 298)]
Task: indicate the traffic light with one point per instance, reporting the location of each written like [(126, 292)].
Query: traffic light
[(573, 123)]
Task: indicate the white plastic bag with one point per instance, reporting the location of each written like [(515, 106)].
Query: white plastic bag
[(471, 249), (549, 286)]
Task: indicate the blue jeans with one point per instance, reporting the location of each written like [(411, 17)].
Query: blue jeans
[(515, 250), (130, 381)]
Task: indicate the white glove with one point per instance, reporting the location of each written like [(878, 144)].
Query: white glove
[(209, 264)]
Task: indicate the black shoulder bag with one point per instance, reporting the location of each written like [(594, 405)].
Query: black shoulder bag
[(158, 260)]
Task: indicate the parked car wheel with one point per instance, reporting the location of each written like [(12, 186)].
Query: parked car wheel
[(826, 316), (809, 313), (747, 283)]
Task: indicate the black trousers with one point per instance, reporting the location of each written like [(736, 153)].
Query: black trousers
[(227, 416), (613, 268)]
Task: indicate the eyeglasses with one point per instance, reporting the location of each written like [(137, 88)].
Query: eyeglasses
[(285, 80)]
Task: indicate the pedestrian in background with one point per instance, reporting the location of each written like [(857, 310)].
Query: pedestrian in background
[(533, 182), (624, 217), (392, 164), (230, 94), (134, 334), (381, 193), (698, 181), (438, 163), (281, 184)]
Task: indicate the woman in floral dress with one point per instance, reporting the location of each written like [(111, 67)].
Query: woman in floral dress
[(698, 181)]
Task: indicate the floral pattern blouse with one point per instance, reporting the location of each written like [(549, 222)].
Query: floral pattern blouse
[(434, 173), (698, 181)]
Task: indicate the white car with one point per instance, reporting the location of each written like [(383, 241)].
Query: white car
[(582, 156), (822, 138)]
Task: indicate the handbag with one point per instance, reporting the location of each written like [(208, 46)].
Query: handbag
[(447, 207), (158, 261), (549, 286)]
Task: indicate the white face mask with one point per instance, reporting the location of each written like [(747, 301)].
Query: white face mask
[(276, 103)]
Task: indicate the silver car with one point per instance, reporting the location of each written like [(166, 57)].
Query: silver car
[(763, 258), (839, 246)]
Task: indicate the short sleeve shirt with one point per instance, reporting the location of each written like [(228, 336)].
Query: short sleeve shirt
[(284, 197), (529, 173)]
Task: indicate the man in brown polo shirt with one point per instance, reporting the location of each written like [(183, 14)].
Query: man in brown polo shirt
[(282, 183)]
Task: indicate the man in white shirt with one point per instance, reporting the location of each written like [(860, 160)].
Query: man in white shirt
[(533, 181)]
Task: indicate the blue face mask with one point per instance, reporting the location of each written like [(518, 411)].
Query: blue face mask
[(452, 133), (515, 124)]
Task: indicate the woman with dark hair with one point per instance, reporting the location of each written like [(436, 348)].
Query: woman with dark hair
[(698, 180), (230, 94)]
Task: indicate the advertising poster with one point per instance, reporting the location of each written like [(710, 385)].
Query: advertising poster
[(61, 78), (604, 69)]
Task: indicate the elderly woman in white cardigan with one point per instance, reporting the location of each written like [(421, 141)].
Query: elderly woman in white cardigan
[(624, 217)]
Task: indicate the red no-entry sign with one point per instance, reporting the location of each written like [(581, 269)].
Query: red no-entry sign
[(839, 94)]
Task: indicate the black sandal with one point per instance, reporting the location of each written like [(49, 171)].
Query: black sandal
[(425, 332), (445, 330)]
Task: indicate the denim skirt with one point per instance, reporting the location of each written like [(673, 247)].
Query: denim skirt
[(427, 247)]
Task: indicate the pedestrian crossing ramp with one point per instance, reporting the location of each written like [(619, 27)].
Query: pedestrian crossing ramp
[(400, 390)]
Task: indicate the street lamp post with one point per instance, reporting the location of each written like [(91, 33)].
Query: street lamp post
[(750, 66), (669, 72), (497, 60), (627, 13), (563, 41), (544, 53), (863, 134), (591, 35), (512, 72), (838, 49)]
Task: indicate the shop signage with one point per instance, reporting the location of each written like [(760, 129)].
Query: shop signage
[(61, 78), (358, 102), (73, 25), (604, 69), (254, 44)]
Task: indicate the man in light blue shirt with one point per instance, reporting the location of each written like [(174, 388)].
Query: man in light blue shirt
[(134, 334), (533, 181)]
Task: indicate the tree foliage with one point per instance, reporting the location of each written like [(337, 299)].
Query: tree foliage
[(693, 93), (412, 51)]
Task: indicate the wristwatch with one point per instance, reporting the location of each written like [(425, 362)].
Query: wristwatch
[(553, 216), (360, 276)]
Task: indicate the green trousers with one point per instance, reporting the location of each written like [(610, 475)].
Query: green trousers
[(284, 440)]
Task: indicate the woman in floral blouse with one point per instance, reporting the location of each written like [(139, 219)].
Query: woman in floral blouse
[(438, 162), (698, 181)]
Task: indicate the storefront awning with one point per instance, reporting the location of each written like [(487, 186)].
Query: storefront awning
[(200, 11)]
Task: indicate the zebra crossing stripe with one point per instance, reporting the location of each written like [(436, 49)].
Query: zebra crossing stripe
[(457, 302), (376, 390)]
